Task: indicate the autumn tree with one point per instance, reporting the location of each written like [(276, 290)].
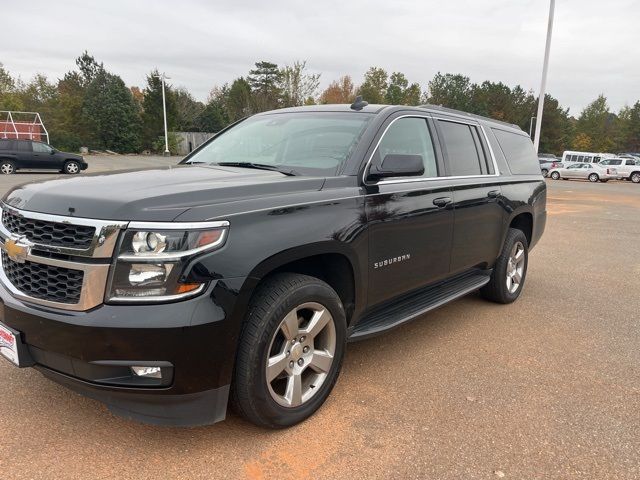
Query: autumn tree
[(339, 91)]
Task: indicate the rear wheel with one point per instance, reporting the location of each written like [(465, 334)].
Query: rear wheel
[(510, 270), (7, 167), (290, 351), (71, 168), (593, 177), (555, 175), (545, 172), (635, 177)]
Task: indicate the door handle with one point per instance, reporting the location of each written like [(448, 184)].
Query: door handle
[(493, 194), (442, 201)]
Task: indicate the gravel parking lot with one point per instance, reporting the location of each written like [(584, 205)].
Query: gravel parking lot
[(547, 387)]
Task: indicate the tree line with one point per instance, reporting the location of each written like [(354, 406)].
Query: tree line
[(91, 106)]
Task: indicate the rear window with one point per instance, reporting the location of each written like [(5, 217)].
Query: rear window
[(519, 152), (5, 144)]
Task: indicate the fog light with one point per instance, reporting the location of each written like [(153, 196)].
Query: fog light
[(148, 372)]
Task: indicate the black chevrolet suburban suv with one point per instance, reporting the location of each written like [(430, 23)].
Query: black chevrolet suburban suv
[(241, 274), (19, 154)]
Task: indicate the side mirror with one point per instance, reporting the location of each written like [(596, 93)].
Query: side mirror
[(53, 150), (399, 165)]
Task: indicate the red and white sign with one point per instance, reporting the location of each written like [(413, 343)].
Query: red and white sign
[(8, 345)]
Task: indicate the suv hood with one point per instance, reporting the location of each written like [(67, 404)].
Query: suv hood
[(153, 194)]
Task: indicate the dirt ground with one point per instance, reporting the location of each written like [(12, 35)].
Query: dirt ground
[(545, 388)]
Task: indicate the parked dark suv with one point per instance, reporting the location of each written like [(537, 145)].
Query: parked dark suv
[(244, 271), (17, 154)]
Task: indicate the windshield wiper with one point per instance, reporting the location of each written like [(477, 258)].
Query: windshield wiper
[(258, 166)]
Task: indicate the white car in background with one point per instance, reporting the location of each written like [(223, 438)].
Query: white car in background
[(593, 172), (627, 167)]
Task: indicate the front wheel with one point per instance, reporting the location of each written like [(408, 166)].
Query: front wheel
[(7, 167), (635, 177), (510, 270), (290, 350), (593, 178), (71, 168), (555, 175), (545, 172)]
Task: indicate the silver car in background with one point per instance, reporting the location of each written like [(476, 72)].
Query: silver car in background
[(584, 171)]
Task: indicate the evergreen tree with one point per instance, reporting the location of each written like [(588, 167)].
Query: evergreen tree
[(238, 100), (265, 80), (112, 113), (152, 112)]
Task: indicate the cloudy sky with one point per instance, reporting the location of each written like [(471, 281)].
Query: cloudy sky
[(201, 43)]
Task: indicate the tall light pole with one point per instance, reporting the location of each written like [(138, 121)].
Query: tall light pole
[(545, 67), (163, 77), (531, 126)]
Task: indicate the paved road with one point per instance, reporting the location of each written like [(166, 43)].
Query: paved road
[(545, 388)]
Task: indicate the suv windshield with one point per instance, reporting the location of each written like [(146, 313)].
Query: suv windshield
[(312, 143)]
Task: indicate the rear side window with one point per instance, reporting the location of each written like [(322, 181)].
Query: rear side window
[(630, 162), (410, 136), (464, 150), (519, 151), (5, 144), (23, 146)]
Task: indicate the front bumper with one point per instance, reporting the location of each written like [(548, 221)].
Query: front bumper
[(91, 352)]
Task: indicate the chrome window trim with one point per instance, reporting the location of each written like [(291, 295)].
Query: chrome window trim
[(102, 244), (426, 179), (94, 282)]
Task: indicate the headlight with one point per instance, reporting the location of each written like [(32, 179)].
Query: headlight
[(151, 259)]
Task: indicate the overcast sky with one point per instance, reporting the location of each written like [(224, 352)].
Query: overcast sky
[(202, 43)]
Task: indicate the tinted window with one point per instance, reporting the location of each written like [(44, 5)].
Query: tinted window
[(463, 152), (40, 147), (519, 152), (23, 146), (615, 162), (5, 144), (630, 162), (410, 136)]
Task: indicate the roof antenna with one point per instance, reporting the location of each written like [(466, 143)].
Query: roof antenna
[(359, 104)]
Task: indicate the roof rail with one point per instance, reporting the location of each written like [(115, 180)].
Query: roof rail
[(468, 115)]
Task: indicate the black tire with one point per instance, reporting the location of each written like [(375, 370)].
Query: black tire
[(555, 175), (593, 177), (496, 290), (274, 298), (71, 168), (604, 181), (635, 177), (545, 172), (7, 167)]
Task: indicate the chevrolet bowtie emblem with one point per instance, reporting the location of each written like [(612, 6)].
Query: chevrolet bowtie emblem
[(17, 249)]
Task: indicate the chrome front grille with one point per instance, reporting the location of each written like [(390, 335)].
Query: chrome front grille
[(56, 261), (44, 282), (49, 233)]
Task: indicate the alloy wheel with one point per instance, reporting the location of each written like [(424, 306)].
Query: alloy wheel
[(593, 177), (301, 354), (515, 267), (635, 178)]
